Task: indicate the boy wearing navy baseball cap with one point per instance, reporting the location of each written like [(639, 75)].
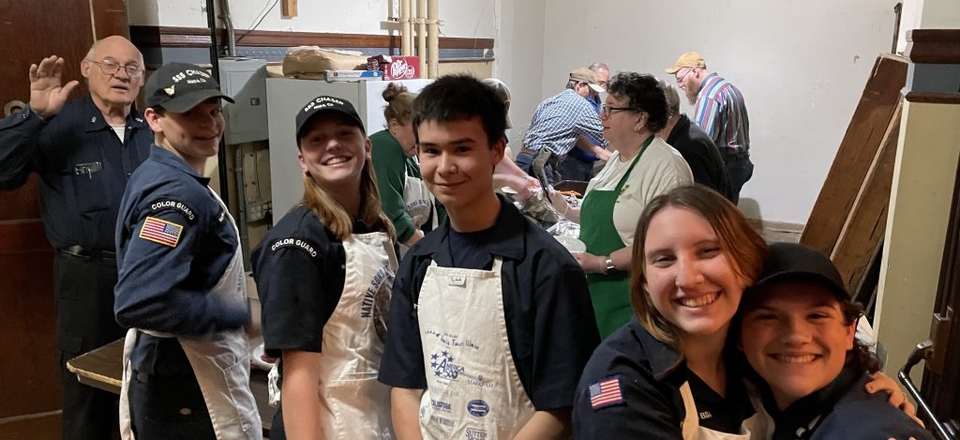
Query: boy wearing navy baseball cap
[(181, 284), (798, 326)]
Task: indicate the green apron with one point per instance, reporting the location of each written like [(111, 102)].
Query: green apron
[(610, 293)]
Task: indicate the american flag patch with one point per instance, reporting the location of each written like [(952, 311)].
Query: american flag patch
[(161, 231), (606, 393)]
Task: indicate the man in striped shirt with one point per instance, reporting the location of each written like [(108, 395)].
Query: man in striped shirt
[(719, 111), (561, 123)]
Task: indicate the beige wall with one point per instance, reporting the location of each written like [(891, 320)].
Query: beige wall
[(477, 69), (920, 201)]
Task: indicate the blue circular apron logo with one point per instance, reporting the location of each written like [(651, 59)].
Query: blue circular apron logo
[(478, 408)]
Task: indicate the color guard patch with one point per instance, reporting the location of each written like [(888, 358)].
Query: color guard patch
[(165, 204), (161, 231), (606, 393), (296, 243)]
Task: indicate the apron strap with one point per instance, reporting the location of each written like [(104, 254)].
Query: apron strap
[(691, 420)]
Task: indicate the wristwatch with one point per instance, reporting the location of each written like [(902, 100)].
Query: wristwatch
[(610, 265)]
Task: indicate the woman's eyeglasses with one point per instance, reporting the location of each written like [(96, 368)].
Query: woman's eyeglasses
[(607, 110)]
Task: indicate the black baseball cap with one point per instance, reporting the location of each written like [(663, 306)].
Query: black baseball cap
[(179, 87), (796, 262), (325, 103)]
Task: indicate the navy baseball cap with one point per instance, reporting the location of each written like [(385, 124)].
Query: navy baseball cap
[(796, 262), (179, 87), (323, 104)]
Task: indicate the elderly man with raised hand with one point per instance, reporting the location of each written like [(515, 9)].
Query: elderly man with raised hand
[(561, 123), (721, 112), (84, 151)]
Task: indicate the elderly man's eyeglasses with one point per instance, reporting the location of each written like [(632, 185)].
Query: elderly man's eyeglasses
[(682, 77), (606, 110), (111, 67)]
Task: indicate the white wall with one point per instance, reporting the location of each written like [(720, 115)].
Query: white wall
[(519, 50), (940, 14), (801, 66), (458, 18)]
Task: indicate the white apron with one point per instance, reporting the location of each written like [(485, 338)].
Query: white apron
[(220, 361), (354, 405), (473, 388), (417, 201), (755, 427)]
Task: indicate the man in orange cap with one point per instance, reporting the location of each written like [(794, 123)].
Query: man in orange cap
[(721, 112)]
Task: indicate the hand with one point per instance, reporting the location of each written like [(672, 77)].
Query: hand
[(47, 96), (881, 382), (591, 263), (602, 153), (521, 185)]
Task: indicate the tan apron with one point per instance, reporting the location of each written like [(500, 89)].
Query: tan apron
[(754, 427), (418, 204), (354, 405), (417, 201), (473, 388), (220, 361)]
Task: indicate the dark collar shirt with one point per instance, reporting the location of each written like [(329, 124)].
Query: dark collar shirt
[(300, 274), (842, 410), (701, 154), (83, 168), (645, 376), (551, 328), (167, 274)]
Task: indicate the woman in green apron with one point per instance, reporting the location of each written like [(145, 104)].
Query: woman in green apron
[(403, 196), (641, 167)]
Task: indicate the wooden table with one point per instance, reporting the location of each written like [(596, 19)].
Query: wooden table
[(103, 368)]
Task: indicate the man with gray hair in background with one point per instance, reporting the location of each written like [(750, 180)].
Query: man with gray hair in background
[(694, 145), (83, 151), (602, 74)]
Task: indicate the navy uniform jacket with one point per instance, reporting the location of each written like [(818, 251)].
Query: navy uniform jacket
[(648, 375), (83, 168), (299, 268), (701, 154), (174, 243), (842, 410), (551, 328)]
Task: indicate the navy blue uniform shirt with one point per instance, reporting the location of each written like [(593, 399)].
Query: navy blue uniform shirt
[(174, 243), (299, 269), (83, 168), (551, 328), (649, 374), (842, 410)]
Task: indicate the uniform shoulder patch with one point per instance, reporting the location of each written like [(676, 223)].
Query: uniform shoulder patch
[(174, 205), (161, 231), (606, 392), (294, 242)]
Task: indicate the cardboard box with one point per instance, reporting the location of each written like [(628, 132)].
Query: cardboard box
[(395, 67)]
